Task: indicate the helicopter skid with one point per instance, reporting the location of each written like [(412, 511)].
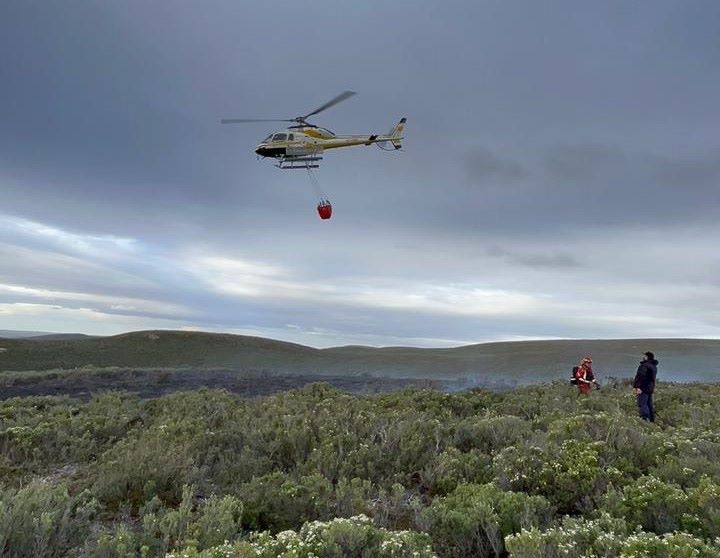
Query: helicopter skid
[(311, 158), (308, 162), (305, 166)]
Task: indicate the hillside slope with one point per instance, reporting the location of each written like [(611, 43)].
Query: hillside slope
[(506, 363)]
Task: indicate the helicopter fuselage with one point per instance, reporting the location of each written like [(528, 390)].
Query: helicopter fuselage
[(309, 140)]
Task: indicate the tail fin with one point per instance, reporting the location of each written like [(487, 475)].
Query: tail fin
[(396, 134)]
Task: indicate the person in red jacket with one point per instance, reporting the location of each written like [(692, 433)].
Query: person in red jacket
[(585, 377)]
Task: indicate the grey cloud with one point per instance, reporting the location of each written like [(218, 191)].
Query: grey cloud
[(487, 168), (555, 260), (696, 173), (583, 161)]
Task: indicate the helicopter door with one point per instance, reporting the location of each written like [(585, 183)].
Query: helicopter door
[(299, 148)]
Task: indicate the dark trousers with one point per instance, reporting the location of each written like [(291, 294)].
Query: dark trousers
[(645, 406)]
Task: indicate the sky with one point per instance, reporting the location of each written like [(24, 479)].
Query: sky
[(560, 176)]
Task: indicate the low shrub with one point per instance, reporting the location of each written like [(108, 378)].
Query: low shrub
[(43, 521), (337, 538), (473, 520), (607, 537)]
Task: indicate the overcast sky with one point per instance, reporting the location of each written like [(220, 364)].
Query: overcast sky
[(560, 175)]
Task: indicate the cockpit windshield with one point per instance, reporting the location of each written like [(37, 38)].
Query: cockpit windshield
[(279, 137), (267, 139)]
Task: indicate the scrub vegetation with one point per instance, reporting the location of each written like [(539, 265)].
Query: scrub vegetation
[(533, 472)]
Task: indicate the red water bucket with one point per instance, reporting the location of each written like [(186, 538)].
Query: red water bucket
[(324, 210)]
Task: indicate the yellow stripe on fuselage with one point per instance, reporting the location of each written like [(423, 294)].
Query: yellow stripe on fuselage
[(315, 134), (335, 143)]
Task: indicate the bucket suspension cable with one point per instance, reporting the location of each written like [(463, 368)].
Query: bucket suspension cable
[(324, 207), (315, 183)]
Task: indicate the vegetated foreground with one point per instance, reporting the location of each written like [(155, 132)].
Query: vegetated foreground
[(533, 472)]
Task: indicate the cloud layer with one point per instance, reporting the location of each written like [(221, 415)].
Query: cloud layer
[(560, 178)]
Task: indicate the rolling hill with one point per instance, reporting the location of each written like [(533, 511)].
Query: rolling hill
[(507, 363)]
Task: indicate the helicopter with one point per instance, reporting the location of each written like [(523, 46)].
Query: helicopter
[(301, 145)]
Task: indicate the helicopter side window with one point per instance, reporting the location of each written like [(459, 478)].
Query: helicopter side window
[(279, 137), (291, 137)]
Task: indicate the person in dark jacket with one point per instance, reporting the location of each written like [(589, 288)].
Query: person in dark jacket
[(644, 386)]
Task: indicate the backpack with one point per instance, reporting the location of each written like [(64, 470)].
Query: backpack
[(574, 375)]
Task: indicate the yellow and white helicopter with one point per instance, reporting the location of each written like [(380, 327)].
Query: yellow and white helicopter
[(301, 146)]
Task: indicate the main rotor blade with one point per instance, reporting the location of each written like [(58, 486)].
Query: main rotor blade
[(246, 120), (339, 99)]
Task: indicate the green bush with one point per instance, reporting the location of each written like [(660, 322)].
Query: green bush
[(139, 468), (569, 476), (338, 538), (605, 537), (353, 497), (277, 502), (573, 538), (673, 545), (651, 503), (473, 520), (397, 507), (40, 434), (663, 507), (118, 543), (453, 467), (43, 521), (489, 434), (196, 522), (704, 502)]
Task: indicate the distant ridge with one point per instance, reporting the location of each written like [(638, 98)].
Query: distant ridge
[(41, 335), (19, 334), (505, 362)]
